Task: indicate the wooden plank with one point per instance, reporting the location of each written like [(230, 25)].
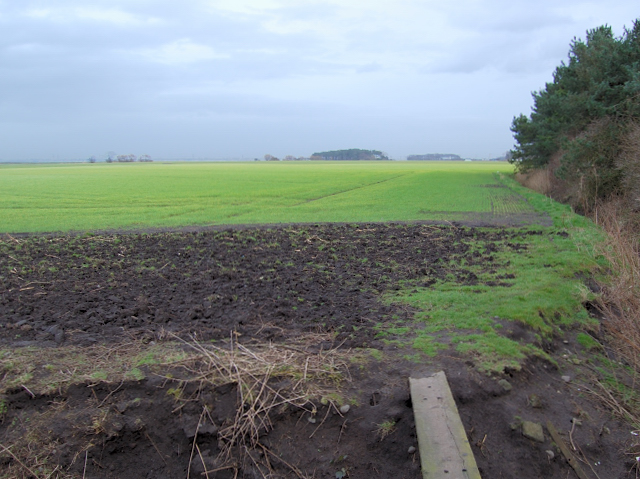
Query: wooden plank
[(445, 452)]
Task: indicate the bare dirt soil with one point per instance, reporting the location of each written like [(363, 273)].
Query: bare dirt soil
[(315, 291)]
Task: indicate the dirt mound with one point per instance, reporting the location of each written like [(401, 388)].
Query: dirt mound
[(136, 432)]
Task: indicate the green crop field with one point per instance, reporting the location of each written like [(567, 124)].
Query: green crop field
[(40, 198)]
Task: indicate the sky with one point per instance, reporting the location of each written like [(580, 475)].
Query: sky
[(243, 78)]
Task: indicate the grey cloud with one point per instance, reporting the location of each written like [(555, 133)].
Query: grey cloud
[(510, 52), (512, 17), (258, 81), (369, 67)]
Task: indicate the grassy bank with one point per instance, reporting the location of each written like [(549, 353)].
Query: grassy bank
[(532, 290)]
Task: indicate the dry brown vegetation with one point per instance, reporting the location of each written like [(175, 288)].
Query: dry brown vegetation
[(619, 217), (252, 370), (620, 301), (537, 180), (629, 163)]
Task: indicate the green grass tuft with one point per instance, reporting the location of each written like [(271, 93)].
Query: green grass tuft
[(427, 345), (586, 341)]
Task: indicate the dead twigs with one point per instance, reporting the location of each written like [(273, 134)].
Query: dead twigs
[(22, 464), (603, 393), (269, 379), (194, 445)]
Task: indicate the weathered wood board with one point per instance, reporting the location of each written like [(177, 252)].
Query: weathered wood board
[(445, 451)]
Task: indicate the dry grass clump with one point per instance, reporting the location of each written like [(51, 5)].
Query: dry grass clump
[(620, 301), (620, 305), (269, 378), (537, 180)]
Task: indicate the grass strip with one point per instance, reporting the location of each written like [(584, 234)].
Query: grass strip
[(535, 286)]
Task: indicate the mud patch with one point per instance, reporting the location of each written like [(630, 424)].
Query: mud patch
[(271, 284), (94, 296)]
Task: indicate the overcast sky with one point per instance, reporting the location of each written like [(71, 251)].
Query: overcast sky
[(241, 78)]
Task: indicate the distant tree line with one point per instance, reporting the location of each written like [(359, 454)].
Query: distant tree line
[(435, 157), (353, 154), (124, 158), (337, 155), (585, 125), (286, 158)]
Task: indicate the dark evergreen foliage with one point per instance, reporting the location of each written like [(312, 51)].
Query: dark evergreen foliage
[(584, 114)]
